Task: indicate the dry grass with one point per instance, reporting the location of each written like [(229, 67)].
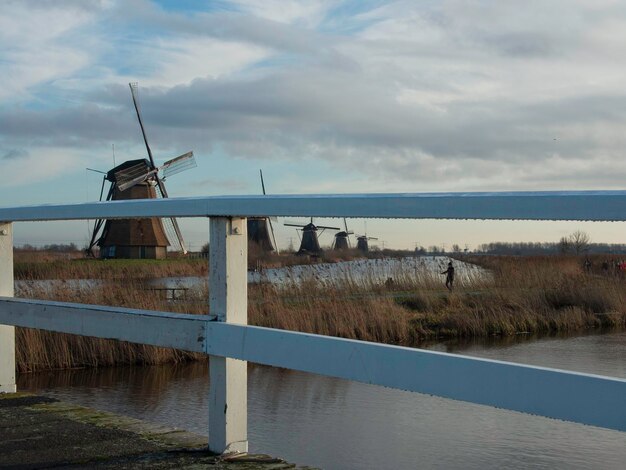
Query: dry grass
[(538, 295), (83, 268), (40, 350)]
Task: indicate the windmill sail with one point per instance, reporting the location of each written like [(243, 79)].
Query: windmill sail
[(134, 90), (178, 165), (173, 220)]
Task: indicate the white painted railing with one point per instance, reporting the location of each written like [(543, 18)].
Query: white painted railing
[(226, 337)]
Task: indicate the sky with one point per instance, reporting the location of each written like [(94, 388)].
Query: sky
[(324, 96)]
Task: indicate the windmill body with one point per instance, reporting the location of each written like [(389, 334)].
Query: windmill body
[(342, 238), (310, 245), (341, 241), (260, 230), (362, 243), (132, 238), (260, 233)]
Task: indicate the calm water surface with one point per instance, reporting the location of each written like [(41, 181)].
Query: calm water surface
[(336, 424)]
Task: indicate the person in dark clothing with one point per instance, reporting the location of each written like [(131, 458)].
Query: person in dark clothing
[(449, 276)]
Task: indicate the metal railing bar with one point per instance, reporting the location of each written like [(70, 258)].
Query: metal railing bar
[(165, 329), (570, 396), (556, 205)]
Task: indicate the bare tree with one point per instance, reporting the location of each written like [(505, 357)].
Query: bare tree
[(579, 241), (564, 245)]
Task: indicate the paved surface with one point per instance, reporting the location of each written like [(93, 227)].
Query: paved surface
[(40, 432)]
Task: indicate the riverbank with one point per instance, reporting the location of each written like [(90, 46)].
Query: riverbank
[(523, 295)]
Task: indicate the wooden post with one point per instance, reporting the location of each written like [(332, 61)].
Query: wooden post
[(228, 302), (7, 333)]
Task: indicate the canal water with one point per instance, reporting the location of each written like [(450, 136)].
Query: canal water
[(336, 424)]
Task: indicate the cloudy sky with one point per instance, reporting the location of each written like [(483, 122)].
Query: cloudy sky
[(325, 96)]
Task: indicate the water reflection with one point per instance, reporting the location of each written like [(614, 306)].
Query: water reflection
[(594, 353), (333, 423)]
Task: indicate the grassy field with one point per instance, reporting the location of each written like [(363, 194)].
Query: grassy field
[(524, 295)]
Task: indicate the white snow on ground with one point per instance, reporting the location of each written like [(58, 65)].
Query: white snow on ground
[(371, 271)]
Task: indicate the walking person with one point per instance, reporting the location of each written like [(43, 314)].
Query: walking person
[(449, 276)]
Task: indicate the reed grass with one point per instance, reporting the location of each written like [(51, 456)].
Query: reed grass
[(85, 268), (529, 295)]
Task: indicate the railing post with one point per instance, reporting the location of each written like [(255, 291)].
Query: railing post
[(7, 333), (228, 302)]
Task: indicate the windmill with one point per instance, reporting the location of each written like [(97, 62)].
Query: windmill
[(138, 179), (362, 242), (310, 245), (342, 238), (260, 229)]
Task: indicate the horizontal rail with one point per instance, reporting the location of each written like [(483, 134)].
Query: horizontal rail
[(169, 330), (559, 205), (571, 396)]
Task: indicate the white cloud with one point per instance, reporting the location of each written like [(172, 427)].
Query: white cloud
[(182, 60), (448, 95), (308, 13), (39, 165), (35, 43)]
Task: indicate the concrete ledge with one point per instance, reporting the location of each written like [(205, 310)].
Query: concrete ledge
[(38, 431)]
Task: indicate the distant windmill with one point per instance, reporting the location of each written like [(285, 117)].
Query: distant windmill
[(362, 241), (310, 244), (260, 229), (138, 179), (342, 238)]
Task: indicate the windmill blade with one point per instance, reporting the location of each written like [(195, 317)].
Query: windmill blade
[(170, 233), (98, 225), (104, 178), (132, 182), (129, 176), (134, 88), (294, 225), (177, 231), (329, 228), (178, 164), (348, 233), (269, 221), (262, 182), (179, 235), (372, 238)]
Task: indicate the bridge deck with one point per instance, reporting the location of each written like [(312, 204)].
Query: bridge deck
[(40, 432)]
